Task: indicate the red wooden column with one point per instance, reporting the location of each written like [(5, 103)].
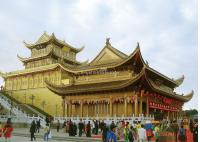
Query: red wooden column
[(141, 95), (147, 104), (136, 104)]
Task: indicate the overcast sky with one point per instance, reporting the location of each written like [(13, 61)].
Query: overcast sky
[(165, 29)]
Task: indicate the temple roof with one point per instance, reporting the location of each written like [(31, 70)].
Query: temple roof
[(134, 56), (180, 80), (2, 74), (108, 54), (38, 69), (113, 64), (27, 59), (65, 90), (45, 38), (92, 87), (29, 70), (51, 52)]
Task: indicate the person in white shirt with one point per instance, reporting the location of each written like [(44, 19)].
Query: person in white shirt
[(46, 132), (142, 134)]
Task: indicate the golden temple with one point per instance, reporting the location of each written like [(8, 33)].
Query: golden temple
[(112, 84)]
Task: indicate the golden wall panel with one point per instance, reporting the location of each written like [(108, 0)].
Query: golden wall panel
[(34, 84), (41, 94), (130, 109)]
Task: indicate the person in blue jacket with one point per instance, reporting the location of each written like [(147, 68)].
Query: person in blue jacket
[(111, 136)]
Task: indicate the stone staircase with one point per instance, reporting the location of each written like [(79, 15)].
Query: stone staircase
[(20, 113)]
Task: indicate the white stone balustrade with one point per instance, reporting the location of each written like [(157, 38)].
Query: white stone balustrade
[(107, 120), (18, 115)]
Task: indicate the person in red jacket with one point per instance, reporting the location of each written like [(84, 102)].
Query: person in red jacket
[(1, 131), (7, 130)]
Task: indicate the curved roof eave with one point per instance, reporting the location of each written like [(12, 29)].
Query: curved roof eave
[(58, 89), (77, 70), (180, 80), (53, 38), (3, 75), (180, 97), (33, 58), (143, 72), (162, 75)]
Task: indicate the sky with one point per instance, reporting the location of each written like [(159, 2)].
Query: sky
[(165, 29)]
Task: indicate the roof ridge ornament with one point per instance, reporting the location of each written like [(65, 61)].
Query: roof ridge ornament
[(53, 35), (108, 41), (138, 45)]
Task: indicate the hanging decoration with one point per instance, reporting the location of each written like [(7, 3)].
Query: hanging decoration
[(162, 106), (118, 100), (132, 99), (96, 101)]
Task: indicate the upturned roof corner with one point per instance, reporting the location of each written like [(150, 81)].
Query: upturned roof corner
[(2, 74), (180, 80)]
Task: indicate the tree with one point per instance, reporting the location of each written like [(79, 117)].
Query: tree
[(191, 112)]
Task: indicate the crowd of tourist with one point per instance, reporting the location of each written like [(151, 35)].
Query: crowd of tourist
[(142, 131), (136, 131)]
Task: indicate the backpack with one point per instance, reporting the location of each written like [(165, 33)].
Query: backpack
[(182, 131), (182, 136)]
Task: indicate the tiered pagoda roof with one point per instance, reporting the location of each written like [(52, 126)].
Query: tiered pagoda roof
[(50, 53), (45, 39), (65, 90), (146, 74)]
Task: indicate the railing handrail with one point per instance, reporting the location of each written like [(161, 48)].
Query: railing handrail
[(106, 119), (19, 115)]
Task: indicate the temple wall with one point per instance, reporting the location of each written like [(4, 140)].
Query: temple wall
[(35, 80), (22, 87), (40, 94)]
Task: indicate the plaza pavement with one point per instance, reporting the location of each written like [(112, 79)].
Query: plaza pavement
[(23, 135), (26, 139)]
